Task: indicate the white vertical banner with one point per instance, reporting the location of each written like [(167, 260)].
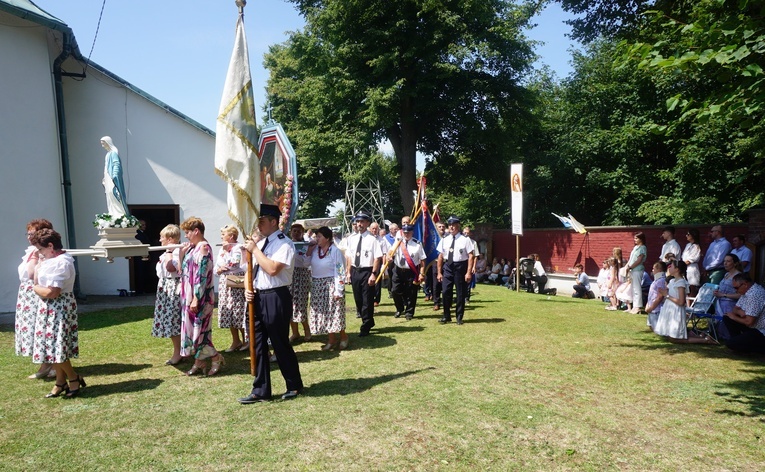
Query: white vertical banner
[(516, 198)]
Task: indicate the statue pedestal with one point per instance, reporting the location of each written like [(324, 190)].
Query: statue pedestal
[(119, 242)]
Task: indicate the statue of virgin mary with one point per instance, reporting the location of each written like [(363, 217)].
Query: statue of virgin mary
[(116, 198)]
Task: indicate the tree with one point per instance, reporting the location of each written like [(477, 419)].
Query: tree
[(420, 73)]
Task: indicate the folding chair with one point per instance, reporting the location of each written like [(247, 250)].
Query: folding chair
[(700, 313)]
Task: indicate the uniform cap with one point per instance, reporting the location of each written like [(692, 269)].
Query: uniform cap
[(407, 227), (270, 210), (362, 215), (453, 219)]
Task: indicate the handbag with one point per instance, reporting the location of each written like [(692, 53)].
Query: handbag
[(235, 281)]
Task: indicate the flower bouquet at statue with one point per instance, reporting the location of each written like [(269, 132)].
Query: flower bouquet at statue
[(117, 232)]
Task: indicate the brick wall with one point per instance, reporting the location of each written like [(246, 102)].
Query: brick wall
[(560, 249)]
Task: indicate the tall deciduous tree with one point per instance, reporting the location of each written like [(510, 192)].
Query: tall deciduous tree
[(420, 73)]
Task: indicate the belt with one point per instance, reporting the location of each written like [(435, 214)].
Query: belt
[(403, 269), (269, 290), (362, 268)]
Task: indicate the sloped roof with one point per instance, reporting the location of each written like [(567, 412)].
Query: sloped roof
[(29, 11)]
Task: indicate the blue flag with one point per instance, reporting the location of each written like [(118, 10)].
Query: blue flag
[(425, 232)]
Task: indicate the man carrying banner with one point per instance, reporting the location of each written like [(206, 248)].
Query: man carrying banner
[(408, 273), (274, 254), (363, 258), (437, 286), (454, 261)]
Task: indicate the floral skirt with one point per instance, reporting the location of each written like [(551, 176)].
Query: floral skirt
[(327, 313), (56, 338), (26, 312), (301, 286), (232, 307), (167, 309)]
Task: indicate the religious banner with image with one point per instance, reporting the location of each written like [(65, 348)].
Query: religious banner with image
[(278, 172), (516, 198)]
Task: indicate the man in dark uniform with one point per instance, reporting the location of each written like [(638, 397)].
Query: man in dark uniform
[(363, 257), (437, 289), (408, 273), (273, 253), (454, 259)]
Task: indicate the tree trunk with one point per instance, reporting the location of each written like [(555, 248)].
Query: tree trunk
[(404, 144)]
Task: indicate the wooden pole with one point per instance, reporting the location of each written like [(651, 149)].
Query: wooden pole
[(517, 264), (394, 248), (248, 284)]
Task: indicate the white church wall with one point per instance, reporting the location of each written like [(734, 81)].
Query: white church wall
[(165, 160), (30, 175)]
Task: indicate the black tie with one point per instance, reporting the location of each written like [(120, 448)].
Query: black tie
[(357, 260), (257, 267), (450, 257)]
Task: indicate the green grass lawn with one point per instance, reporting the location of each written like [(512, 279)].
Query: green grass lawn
[(526, 383)]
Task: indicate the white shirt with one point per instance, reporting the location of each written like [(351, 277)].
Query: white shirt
[(301, 262), (670, 246), (231, 261), (23, 272), (744, 255), (370, 249), (331, 265), (57, 272), (279, 249), (539, 270), (463, 247), (416, 252), (162, 271)]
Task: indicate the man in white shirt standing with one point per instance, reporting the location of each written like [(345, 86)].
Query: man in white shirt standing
[(670, 245), (744, 253), (363, 259), (408, 272), (273, 253), (455, 260)]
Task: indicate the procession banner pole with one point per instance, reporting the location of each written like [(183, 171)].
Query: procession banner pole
[(394, 248), (517, 263), (251, 315)]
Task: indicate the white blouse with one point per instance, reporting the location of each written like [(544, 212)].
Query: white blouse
[(331, 265), (23, 272), (162, 271), (57, 272)]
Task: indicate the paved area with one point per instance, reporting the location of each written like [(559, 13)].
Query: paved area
[(95, 303)]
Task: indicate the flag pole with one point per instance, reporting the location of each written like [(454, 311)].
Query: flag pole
[(248, 283)]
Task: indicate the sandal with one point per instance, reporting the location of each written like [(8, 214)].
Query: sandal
[(62, 389), (42, 373), (216, 364), (198, 365), (73, 393)]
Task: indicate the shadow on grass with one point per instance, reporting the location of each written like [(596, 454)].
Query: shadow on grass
[(109, 369), (483, 320), (747, 397), (7, 328), (357, 385), (120, 388), (109, 318)]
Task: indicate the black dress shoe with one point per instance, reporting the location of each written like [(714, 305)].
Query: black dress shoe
[(363, 333), (445, 320), (290, 394), (409, 318), (397, 315), (459, 322), (252, 398)]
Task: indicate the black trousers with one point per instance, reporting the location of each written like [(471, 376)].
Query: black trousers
[(743, 338), (580, 291), (454, 278), (541, 283), (437, 286), (364, 296), (272, 321), (404, 291)]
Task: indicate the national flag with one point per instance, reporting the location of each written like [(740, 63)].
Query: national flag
[(566, 222), (425, 232), (577, 226), (236, 141)]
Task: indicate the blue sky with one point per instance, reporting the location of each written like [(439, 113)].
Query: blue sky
[(179, 51)]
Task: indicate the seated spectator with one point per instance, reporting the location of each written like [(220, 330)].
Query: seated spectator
[(582, 286), (746, 322), (481, 270), (496, 271), (507, 271), (603, 281), (655, 297), (744, 253)]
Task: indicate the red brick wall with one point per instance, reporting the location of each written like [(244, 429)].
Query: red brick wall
[(560, 249)]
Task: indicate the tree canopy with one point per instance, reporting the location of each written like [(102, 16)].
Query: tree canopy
[(428, 75)]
